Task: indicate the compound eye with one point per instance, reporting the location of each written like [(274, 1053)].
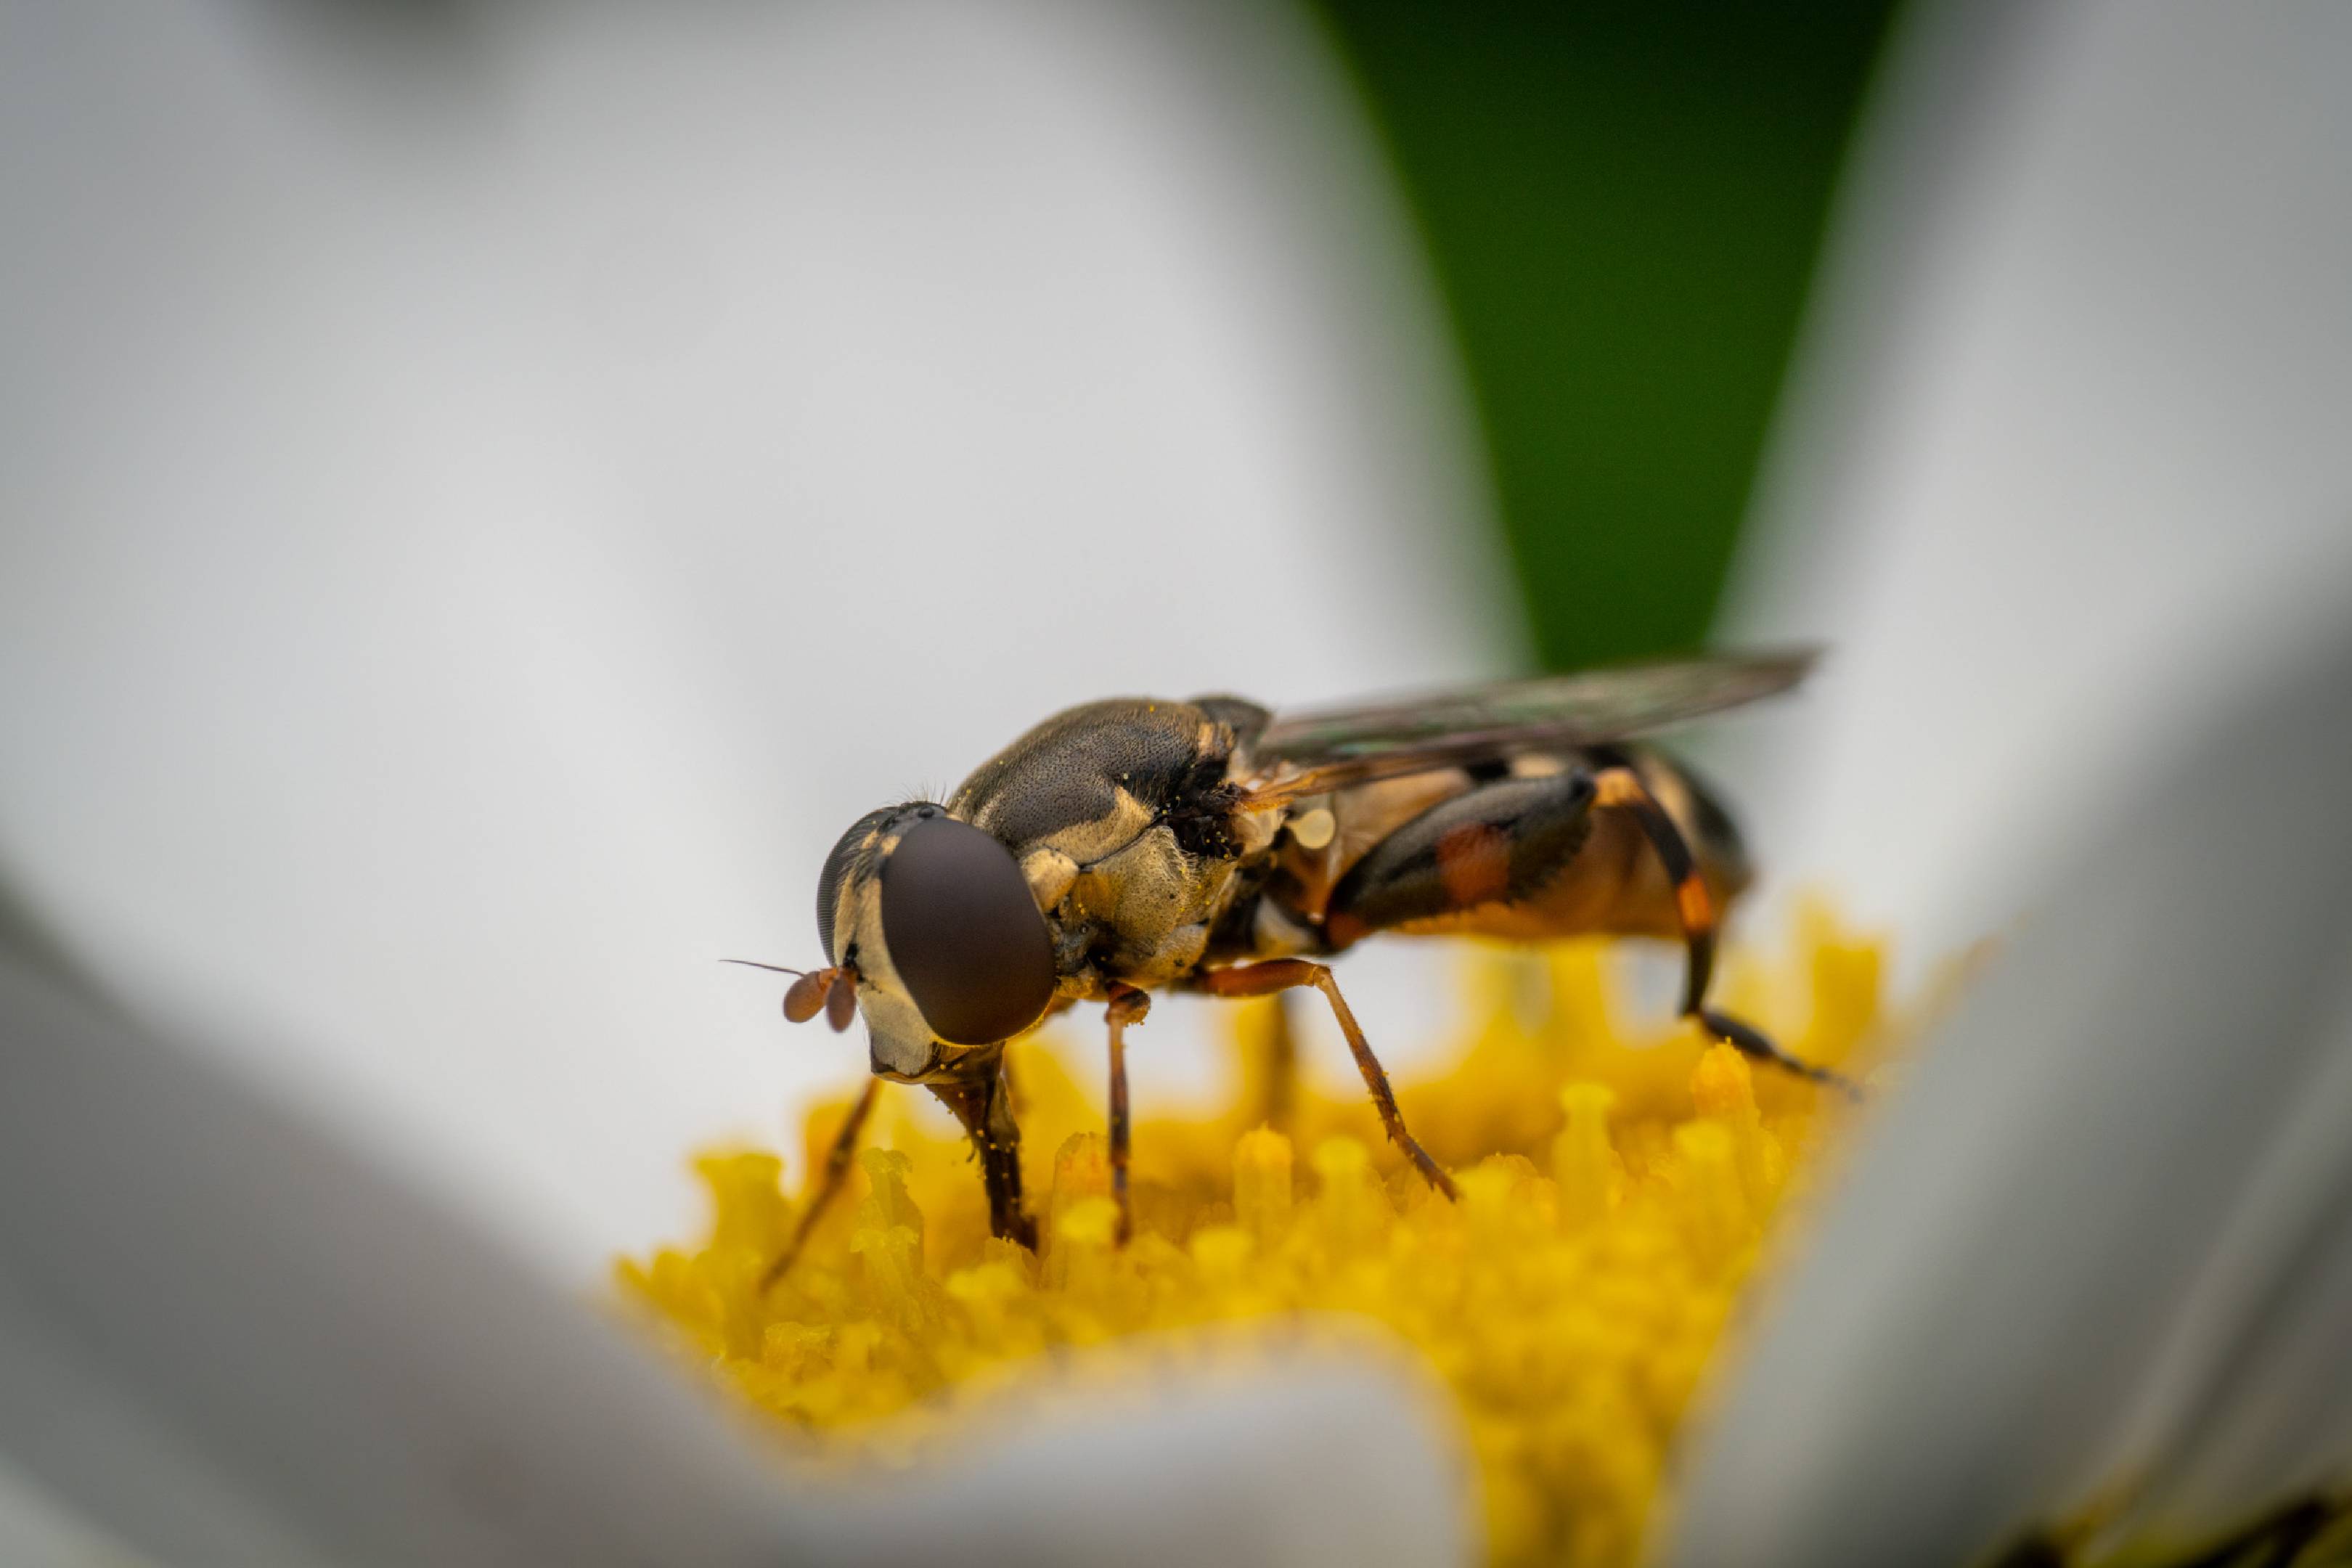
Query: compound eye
[(964, 934)]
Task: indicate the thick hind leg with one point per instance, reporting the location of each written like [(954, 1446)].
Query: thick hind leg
[(1479, 862), (1694, 908)]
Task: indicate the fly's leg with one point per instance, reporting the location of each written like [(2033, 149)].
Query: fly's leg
[(1286, 974), (982, 1103), (1128, 1005), (1694, 908), (829, 1184), (1281, 1066)]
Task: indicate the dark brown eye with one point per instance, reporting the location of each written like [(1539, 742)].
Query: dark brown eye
[(964, 934)]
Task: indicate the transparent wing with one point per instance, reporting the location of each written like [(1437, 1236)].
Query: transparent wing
[(1306, 754)]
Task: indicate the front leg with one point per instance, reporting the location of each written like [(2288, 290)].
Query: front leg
[(981, 1099), (826, 1186)]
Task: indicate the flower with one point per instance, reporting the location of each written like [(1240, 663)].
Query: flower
[(1618, 1186), (431, 703), (2080, 1294)]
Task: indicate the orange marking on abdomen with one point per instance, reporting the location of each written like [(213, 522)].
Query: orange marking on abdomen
[(1692, 902), (1474, 861)]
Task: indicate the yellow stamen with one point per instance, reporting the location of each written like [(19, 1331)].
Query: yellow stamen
[(1583, 1163), (1617, 1185)]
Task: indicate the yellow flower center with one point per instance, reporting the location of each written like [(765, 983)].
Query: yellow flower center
[(1617, 1187)]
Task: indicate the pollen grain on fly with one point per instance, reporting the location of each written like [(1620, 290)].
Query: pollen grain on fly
[(1616, 1191)]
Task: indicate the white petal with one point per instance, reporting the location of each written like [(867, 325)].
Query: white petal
[(227, 1342), (2256, 1411), (2070, 405), (1310, 1462), (483, 514), (2007, 1262), (35, 1531)]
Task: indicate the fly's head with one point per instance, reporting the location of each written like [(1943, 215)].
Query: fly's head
[(932, 922)]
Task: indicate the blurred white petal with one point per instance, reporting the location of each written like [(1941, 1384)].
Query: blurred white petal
[(1314, 1461), (2058, 470), (227, 1341), (494, 489), (1966, 1348), (2254, 1412), (2063, 451), (36, 1530), (230, 1342)]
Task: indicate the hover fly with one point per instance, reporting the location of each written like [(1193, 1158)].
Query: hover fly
[(1130, 846)]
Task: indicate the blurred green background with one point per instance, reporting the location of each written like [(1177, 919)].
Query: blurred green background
[(1623, 204)]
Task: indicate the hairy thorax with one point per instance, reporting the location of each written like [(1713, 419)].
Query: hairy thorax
[(1120, 816)]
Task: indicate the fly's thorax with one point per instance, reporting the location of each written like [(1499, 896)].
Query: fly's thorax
[(1090, 777), (1124, 815)]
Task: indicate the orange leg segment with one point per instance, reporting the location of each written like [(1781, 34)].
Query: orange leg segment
[(1695, 907), (1288, 973)]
